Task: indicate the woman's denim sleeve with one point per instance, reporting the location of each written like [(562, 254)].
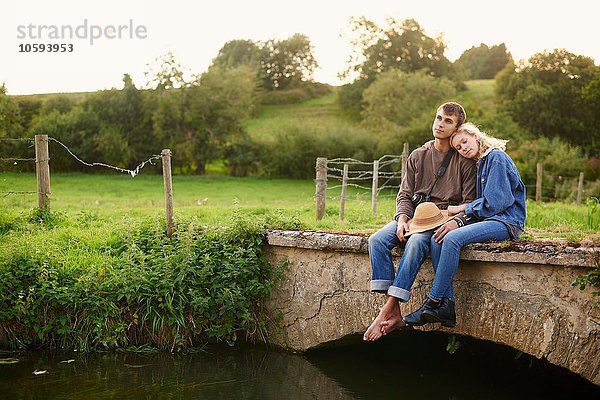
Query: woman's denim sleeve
[(495, 183)]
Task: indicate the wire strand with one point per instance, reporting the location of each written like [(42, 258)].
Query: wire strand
[(132, 172)]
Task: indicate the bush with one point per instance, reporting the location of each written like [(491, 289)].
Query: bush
[(106, 287), (397, 98), (295, 95), (293, 153)]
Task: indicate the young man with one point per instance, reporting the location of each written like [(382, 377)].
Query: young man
[(456, 186)]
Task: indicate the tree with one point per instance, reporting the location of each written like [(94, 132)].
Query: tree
[(549, 96), (203, 117), (77, 130), (396, 98), (399, 45), (402, 46), (10, 118), (30, 108), (167, 74), (218, 103), (284, 63), (398, 107), (124, 137), (63, 103), (483, 62), (236, 53), (279, 64), (591, 97)]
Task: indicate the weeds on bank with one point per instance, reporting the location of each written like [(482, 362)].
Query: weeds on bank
[(90, 283)]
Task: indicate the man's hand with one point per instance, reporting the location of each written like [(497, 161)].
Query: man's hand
[(440, 232), (428, 145), (402, 228)]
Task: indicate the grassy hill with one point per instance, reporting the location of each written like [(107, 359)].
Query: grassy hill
[(322, 111), (326, 111)]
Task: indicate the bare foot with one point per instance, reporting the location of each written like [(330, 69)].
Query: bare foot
[(394, 323), (374, 331), (388, 311)]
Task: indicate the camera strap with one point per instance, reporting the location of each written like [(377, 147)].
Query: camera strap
[(442, 169)]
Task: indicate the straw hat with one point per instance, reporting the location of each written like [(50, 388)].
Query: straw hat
[(427, 216)]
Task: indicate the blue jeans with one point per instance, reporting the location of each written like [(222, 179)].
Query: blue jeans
[(445, 255), (383, 278)]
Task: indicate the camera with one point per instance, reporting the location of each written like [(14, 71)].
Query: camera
[(419, 198)]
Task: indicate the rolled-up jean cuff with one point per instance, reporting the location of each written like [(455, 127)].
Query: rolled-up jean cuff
[(399, 293), (380, 285)]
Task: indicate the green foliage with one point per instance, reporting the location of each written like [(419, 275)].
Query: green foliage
[(593, 216), (552, 95), (592, 278), (483, 62), (167, 74), (293, 153), (305, 91), (219, 102), (350, 95), (453, 344), (62, 103), (10, 118), (286, 62), (110, 286), (279, 64), (29, 108), (395, 99), (76, 128), (561, 163), (237, 52), (401, 46)]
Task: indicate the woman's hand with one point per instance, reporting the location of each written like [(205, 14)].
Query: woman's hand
[(452, 210), (440, 232)]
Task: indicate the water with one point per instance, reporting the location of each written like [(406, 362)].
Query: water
[(407, 366)]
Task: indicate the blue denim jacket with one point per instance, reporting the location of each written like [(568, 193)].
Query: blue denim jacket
[(500, 193)]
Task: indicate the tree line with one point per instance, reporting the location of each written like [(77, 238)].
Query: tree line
[(398, 75)]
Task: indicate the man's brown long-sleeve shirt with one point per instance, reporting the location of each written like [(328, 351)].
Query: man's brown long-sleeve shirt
[(456, 186)]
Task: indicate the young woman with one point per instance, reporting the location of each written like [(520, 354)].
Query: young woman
[(498, 213)]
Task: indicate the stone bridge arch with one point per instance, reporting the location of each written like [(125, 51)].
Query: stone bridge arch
[(518, 295)]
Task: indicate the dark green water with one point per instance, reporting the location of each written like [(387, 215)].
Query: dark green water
[(406, 366)]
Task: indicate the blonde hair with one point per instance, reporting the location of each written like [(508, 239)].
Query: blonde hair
[(485, 141)]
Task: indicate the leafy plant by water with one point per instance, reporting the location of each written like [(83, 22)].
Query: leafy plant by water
[(88, 284)]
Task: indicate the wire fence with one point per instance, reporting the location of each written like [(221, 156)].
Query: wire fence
[(363, 176), (42, 162), (383, 178), (16, 160)]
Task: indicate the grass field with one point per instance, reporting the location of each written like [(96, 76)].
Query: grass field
[(213, 199)]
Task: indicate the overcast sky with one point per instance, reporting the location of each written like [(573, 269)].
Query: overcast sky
[(195, 31)]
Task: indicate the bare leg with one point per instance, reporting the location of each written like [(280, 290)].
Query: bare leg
[(389, 312)]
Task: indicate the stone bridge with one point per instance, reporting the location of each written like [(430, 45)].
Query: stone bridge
[(516, 294)]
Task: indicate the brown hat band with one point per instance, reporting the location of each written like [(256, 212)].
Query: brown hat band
[(428, 220)]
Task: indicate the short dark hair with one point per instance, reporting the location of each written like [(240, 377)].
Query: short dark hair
[(453, 108)]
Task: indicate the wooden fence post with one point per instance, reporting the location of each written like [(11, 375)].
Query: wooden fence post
[(538, 183), (374, 187), (344, 189), (580, 188), (321, 182), (42, 171), (168, 185), (403, 160)]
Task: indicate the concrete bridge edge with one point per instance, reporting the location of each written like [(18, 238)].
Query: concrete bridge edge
[(516, 294)]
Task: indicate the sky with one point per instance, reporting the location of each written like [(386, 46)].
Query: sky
[(194, 31)]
